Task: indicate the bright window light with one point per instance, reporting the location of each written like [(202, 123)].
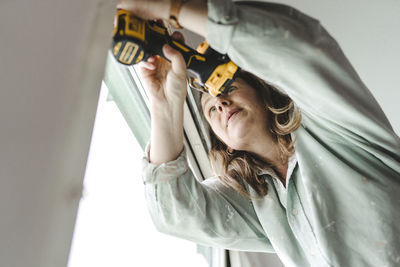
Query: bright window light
[(113, 226)]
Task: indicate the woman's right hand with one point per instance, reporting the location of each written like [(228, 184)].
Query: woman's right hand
[(166, 81)]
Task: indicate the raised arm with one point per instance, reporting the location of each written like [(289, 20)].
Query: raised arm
[(166, 84)]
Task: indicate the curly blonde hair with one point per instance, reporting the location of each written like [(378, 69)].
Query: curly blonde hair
[(241, 168)]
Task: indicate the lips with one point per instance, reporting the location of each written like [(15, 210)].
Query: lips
[(230, 114)]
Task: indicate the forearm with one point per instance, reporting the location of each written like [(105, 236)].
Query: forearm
[(193, 16), (166, 133)]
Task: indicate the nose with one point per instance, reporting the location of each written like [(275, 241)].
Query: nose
[(222, 103)]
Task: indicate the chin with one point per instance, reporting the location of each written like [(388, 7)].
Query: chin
[(239, 138)]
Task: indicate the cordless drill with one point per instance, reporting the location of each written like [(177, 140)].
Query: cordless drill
[(136, 40)]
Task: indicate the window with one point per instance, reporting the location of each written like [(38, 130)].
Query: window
[(113, 227)]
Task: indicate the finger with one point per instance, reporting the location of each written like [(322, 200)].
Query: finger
[(152, 59), (147, 65), (123, 5), (178, 36), (178, 64), (145, 72), (148, 77)]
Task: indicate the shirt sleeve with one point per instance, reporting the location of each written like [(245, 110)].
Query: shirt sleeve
[(207, 213), (295, 54)]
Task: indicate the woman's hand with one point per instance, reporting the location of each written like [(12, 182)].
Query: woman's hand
[(192, 16), (166, 81), (147, 9)]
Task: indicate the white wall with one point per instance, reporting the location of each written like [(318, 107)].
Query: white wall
[(369, 34), (51, 65)]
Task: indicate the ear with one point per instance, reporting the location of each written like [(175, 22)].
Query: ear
[(230, 150)]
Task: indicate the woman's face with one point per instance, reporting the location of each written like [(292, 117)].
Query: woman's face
[(239, 117)]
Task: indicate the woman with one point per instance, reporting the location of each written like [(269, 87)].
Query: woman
[(332, 199)]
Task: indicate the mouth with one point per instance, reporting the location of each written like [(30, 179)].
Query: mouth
[(231, 114)]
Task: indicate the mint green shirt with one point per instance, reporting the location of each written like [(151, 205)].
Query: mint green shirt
[(341, 204)]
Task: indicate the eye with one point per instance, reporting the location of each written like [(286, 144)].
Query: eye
[(211, 110)]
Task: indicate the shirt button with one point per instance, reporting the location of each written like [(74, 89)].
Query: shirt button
[(294, 212), (313, 252)]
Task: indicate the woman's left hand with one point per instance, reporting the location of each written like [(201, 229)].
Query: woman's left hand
[(147, 9), (192, 16)]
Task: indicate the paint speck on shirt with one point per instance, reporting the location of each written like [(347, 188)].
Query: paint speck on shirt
[(313, 251), (230, 215), (317, 197), (330, 226), (381, 243)]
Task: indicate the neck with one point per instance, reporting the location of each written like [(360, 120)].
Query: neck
[(268, 151)]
